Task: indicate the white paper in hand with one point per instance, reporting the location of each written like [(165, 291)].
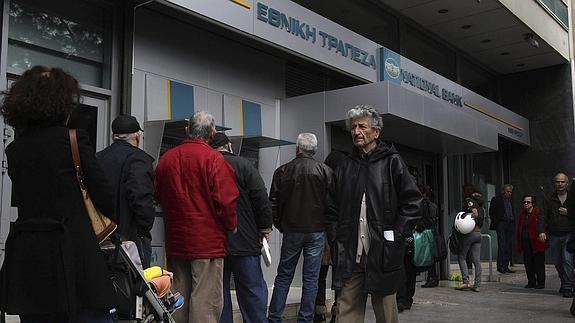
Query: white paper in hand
[(266, 255)]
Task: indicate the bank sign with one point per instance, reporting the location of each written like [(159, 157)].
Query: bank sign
[(314, 35), (404, 72)]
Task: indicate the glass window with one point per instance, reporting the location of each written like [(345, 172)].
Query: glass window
[(72, 35), (558, 9)]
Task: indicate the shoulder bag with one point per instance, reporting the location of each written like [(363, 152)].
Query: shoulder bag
[(102, 225)]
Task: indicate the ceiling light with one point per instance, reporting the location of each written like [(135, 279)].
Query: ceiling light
[(530, 39), (442, 11), (504, 54), (465, 26), (485, 41), (520, 65)]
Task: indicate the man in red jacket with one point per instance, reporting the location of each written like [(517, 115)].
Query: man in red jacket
[(197, 190), (528, 242)]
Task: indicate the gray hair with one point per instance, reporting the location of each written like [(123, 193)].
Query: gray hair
[(506, 186), (362, 111), (126, 136), (201, 125), (307, 142)]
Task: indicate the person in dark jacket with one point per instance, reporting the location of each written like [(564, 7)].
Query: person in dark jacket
[(561, 228), (254, 224), (528, 243), (471, 242), (374, 201), (298, 197), (502, 216), (406, 290), (131, 173), (429, 211), (53, 269)]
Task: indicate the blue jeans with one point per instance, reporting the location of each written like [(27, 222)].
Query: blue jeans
[(562, 259), (292, 245), (251, 289), (471, 241)]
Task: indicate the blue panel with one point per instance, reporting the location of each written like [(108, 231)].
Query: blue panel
[(182, 100), (389, 66), (252, 115)]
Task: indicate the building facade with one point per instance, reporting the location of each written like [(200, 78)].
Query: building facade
[(470, 91)]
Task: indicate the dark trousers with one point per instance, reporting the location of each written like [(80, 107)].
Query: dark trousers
[(432, 273), (534, 265), (251, 289), (406, 288), (321, 283), (505, 231)]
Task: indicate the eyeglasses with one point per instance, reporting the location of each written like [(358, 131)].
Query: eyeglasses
[(527, 202)]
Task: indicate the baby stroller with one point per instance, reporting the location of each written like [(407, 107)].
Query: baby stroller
[(138, 299)]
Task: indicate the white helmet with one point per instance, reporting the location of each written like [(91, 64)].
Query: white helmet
[(464, 222)]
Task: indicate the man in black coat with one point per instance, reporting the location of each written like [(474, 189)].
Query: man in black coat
[(502, 218), (374, 203), (254, 224), (131, 173)]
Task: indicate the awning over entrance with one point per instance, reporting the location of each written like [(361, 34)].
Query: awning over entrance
[(420, 121)]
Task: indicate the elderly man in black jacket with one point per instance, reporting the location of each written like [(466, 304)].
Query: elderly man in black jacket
[(254, 224), (374, 202), (131, 173)]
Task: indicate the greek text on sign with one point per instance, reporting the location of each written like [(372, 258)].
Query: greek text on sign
[(309, 33)]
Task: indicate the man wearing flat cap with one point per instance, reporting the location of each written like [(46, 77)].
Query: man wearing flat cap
[(254, 224), (131, 173)]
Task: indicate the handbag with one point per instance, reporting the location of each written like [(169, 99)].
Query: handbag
[(102, 225), (423, 244), (440, 251), (455, 242)]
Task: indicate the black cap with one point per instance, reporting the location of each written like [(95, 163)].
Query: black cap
[(220, 139), (125, 124)]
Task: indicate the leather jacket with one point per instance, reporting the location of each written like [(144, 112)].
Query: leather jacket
[(298, 195), (393, 201)]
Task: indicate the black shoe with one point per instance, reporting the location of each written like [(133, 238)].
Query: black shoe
[(568, 294), (539, 287), (430, 283), (319, 318), (502, 271), (510, 271), (529, 286), (403, 307)]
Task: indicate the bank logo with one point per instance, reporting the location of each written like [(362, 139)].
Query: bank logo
[(392, 68)]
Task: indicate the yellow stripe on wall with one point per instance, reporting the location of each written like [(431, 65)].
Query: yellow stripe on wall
[(243, 3), (169, 101), (491, 115)]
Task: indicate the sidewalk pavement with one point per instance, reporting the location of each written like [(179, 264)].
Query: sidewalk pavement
[(502, 301)]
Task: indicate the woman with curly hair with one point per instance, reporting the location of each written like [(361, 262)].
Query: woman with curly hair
[(53, 269)]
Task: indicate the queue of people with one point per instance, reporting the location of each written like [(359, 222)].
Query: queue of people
[(355, 214)]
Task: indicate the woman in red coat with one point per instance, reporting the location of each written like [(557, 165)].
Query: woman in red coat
[(533, 249)]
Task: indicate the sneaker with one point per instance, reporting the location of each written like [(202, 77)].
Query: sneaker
[(463, 286), (475, 289)]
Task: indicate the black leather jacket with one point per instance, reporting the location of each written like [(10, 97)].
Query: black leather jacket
[(393, 201), (298, 195)]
